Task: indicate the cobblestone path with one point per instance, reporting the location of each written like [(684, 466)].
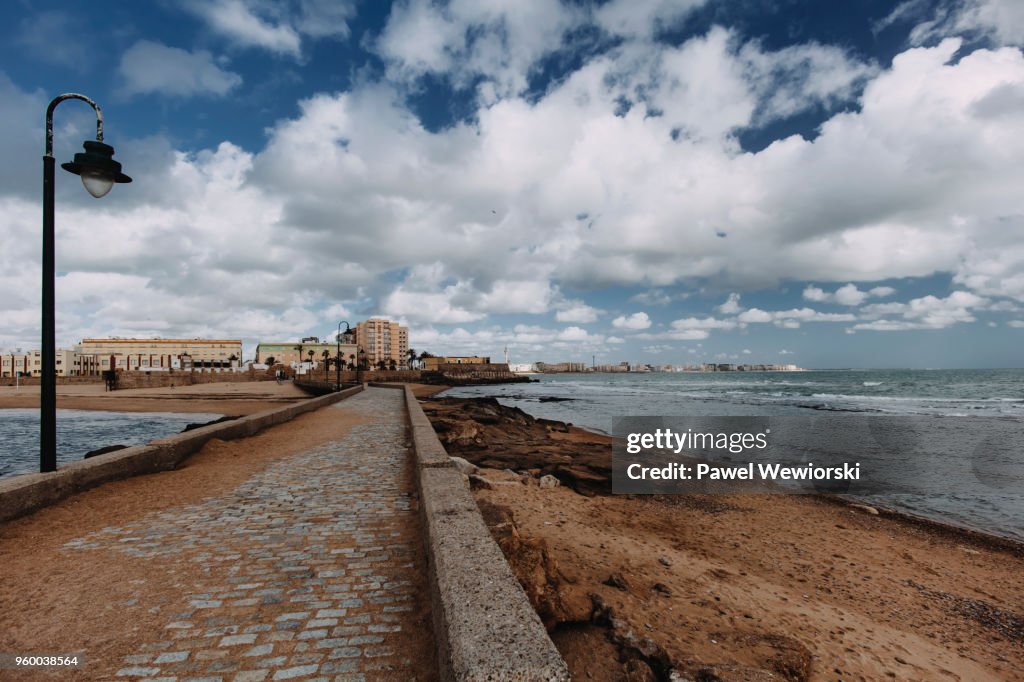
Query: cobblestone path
[(309, 570)]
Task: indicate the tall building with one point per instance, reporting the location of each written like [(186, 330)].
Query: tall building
[(148, 354), (383, 340)]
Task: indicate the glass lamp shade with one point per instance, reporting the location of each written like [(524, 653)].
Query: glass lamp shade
[(97, 168), (97, 184)]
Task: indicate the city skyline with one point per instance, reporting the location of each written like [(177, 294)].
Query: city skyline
[(668, 182)]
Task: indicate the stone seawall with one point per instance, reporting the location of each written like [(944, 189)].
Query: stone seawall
[(484, 625)]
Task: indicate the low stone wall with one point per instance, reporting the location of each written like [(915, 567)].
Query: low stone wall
[(185, 378), (61, 381), (483, 623), (24, 494)]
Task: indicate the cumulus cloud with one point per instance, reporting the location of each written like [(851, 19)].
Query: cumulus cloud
[(150, 67), (466, 39), (577, 311), (635, 321), (791, 318), (353, 202), (731, 305), (848, 294), (926, 312)]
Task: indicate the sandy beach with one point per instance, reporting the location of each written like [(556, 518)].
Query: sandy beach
[(742, 587), (235, 399)]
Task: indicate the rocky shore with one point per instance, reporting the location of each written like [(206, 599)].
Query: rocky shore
[(740, 587)]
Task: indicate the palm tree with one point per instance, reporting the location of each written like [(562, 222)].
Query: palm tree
[(326, 355), (412, 358), (393, 364), (271, 360), (351, 361)]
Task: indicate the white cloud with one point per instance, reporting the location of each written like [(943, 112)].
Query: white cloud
[(927, 312), (1000, 20), (792, 318), (755, 315), (1016, 324), (731, 305), (577, 311), (635, 321), (467, 39), (238, 21), (702, 323), (641, 18), (276, 27), (847, 294), (149, 67)]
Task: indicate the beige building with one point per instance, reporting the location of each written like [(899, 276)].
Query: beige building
[(383, 340), (163, 354), (68, 363), (432, 364), (292, 353)]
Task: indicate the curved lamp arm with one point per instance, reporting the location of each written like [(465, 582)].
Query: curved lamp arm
[(53, 105)]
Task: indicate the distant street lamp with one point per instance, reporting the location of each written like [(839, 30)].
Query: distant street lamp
[(337, 353), (99, 172)]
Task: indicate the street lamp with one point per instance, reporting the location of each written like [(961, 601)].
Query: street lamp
[(337, 353), (99, 172)]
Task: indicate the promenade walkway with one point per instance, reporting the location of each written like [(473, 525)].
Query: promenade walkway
[(310, 569)]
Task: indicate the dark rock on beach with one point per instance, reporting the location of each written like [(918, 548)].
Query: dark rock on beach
[(489, 434), (192, 427), (104, 450)]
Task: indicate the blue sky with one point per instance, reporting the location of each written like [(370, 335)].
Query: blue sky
[(665, 181)]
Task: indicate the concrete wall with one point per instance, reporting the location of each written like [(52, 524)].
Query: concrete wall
[(484, 625), (24, 494)]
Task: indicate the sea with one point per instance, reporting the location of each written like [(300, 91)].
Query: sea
[(991, 503), (81, 431)]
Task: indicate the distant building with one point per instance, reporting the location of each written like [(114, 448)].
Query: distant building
[(163, 354), (295, 352), (621, 367), (433, 363), (383, 340), (561, 367), (68, 363)]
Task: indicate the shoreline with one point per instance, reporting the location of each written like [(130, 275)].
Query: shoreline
[(946, 525), (227, 398), (823, 586)]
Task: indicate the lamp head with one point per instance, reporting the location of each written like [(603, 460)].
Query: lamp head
[(97, 168)]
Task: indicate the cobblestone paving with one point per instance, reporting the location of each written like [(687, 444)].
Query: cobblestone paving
[(309, 567)]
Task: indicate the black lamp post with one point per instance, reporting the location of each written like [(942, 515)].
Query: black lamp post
[(337, 353), (99, 172)]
